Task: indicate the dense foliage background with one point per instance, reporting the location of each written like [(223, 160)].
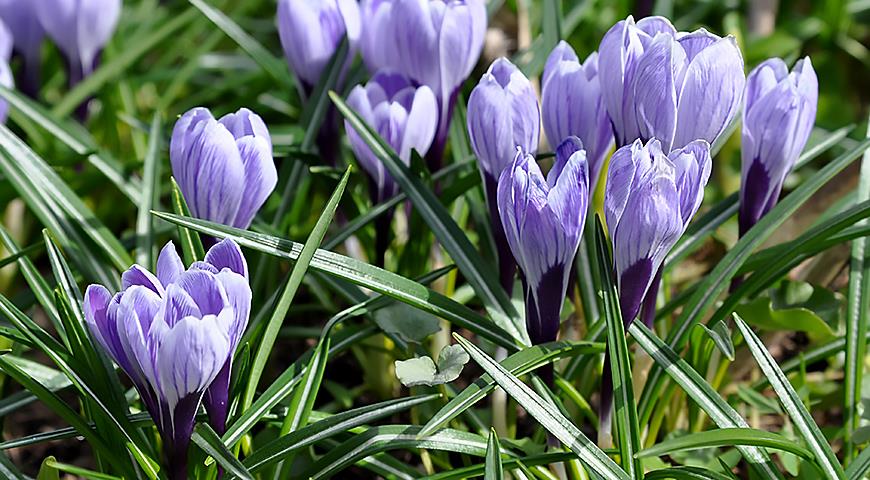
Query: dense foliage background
[(100, 180)]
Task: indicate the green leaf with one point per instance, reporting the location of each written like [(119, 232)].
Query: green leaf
[(493, 458), (75, 136), (275, 67), (409, 324), (628, 430), (857, 316), (392, 437), (722, 414), (274, 451), (519, 363), (859, 467), (422, 370), (720, 334), (763, 314), (77, 471), (714, 283), (789, 399), (289, 291), (47, 470), (360, 273), (726, 437), (549, 417), (191, 244), (211, 444), (149, 197), (479, 275), (685, 473), (9, 471)]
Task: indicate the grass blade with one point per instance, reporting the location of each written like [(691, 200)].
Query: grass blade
[(493, 458), (792, 404), (191, 244), (685, 473), (550, 418), (296, 276), (620, 364), (149, 197), (211, 444), (857, 312), (727, 437), (479, 275), (722, 414)]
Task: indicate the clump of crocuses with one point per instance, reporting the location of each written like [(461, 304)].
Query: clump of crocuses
[(434, 43), (571, 104), (673, 86), (224, 167), (406, 117), (543, 220), (503, 115), (777, 121), (173, 333)]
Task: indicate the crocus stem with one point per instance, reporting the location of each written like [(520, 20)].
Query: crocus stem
[(382, 238), (435, 156), (507, 266), (327, 138), (217, 399), (648, 308), (30, 74)]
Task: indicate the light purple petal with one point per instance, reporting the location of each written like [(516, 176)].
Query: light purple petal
[(169, 264), (260, 178), (421, 123), (652, 92), (138, 275), (692, 164), (178, 304), (23, 22), (205, 290), (239, 297), (246, 123), (227, 254)]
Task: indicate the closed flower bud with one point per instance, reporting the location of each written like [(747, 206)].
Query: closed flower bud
[(543, 220), (173, 333), (673, 86), (649, 200), (311, 32), (777, 120), (403, 115), (433, 42), (224, 167), (572, 105), (80, 30), (27, 34)]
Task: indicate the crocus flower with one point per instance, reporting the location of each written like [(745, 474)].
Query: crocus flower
[(649, 199), (405, 117), (224, 167), (5, 72), (80, 28), (432, 42), (777, 120), (311, 31), (543, 220), (674, 86), (571, 104), (173, 334), (503, 114), (27, 32)]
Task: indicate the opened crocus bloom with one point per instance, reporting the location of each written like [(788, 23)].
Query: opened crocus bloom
[(673, 86), (224, 167), (777, 121), (572, 104), (503, 114), (543, 221), (432, 42), (80, 28), (173, 334), (649, 199)]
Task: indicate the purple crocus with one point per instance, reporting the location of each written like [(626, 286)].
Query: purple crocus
[(503, 114), (649, 199), (432, 42), (543, 221), (223, 167), (80, 28), (406, 118), (571, 104), (27, 32), (310, 32), (674, 86), (173, 334), (777, 120)]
